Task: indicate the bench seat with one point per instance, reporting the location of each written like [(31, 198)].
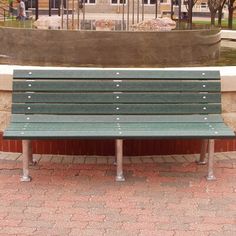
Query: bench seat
[(132, 129), (118, 105)]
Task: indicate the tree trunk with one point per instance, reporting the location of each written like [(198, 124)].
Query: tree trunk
[(230, 19), (213, 14), (220, 16)]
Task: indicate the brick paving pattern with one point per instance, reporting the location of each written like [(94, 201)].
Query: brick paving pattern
[(77, 195)]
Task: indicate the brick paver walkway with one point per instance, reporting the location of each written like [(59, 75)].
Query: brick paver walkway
[(162, 196)]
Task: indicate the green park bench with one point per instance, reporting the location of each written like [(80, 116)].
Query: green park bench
[(118, 105)]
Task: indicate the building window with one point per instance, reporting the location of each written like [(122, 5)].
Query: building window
[(152, 2), (118, 2), (89, 1)]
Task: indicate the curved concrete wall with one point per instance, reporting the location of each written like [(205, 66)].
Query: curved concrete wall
[(107, 49)]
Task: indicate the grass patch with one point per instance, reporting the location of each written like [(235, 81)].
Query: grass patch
[(208, 23), (28, 24)]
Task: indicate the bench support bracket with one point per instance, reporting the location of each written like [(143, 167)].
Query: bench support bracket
[(204, 145), (211, 147), (119, 159), (26, 152)]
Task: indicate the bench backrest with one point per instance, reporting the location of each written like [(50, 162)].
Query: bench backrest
[(115, 92)]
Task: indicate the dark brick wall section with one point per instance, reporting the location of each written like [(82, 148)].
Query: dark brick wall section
[(106, 147)]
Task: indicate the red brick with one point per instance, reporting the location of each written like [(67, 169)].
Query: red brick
[(40, 210), (117, 217), (157, 233), (32, 203), (136, 212), (181, 206), (3, 215), (153, 218), (104, 225), (70, 224), (61, 204), (120, 204), (73, 197), (6, 223), (87, 217), (190, 233), (229, 171), (53, 231), (37, 223), (219, 220), (122, 232), (54, 217), (5, 202), (205, 227), (184, 168), (20, 216), (199, 213), (91, 172), (87, 232), (139, 226), (17, 230), (5, 234), (12, 209)]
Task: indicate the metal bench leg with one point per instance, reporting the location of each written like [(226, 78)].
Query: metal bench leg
[(210, 175), (119, 158), (26, 156), (204, 145), (32, 162)]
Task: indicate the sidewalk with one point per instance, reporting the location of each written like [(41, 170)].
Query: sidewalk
[(77, 195)]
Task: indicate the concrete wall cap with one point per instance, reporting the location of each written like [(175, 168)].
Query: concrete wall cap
[(224, 71)]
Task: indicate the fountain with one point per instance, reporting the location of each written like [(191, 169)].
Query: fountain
[(109, 42)]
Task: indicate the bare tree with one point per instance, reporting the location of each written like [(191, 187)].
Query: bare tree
[(231, 8), (189, 4), (214, 5), (220, 10)]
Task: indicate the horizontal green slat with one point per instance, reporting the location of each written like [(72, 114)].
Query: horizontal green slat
[(119, 109), (133, 86), (116, 98), (195, 132), (119, 74), (135, 126), (113, 118)]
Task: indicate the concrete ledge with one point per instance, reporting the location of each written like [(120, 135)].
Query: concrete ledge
[(228, 83), (228, 34), (5, 82)]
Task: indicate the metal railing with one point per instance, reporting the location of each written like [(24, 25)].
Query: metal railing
[(6, 11), (74, 16)]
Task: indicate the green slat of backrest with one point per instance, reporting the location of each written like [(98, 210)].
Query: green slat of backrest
[(116, 97), (116, 109), (116, 74), (73, 86), (213, 118)]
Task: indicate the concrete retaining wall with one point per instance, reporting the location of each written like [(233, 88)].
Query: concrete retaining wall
[(107, 49)]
